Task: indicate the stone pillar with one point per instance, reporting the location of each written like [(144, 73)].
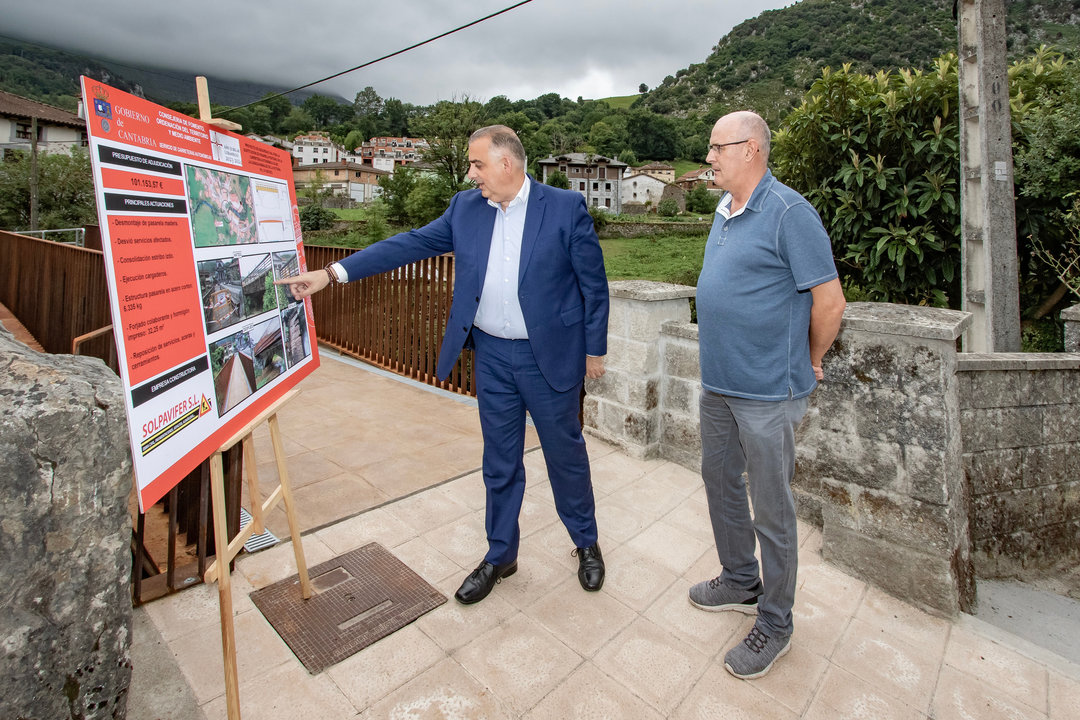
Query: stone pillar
[(623, 407), (880, 455), (65, 536), (1071, 316)]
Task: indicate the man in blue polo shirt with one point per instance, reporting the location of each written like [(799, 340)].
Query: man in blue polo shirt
[(769, 305)]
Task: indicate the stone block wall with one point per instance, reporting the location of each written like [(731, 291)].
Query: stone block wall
[(910, 451), (1071, 316), (1021, 426), (65, 534), (623, 406), (879, 455)]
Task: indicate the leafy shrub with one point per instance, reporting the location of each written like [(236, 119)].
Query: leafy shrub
[(314, 217), (668, 207), (600, 218), (878, 156)]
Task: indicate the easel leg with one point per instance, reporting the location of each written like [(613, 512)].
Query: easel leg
[(221, 544), (290, 512)]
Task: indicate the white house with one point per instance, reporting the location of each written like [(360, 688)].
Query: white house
[(57, 129), (316, 147)]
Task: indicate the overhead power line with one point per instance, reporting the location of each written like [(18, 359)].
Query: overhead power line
[(220, 112)]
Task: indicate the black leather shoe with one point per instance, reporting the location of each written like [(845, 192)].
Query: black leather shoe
[(590, 567), (481, 580)]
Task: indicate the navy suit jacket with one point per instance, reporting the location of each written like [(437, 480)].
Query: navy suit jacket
[(562, 286)]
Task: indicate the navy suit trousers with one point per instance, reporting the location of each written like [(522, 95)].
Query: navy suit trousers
[(508, 382)]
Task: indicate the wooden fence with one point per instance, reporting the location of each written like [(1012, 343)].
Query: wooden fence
[(58, 292), (395, 320)]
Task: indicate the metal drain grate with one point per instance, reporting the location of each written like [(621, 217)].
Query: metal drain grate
[(256, 542), (360, 597)]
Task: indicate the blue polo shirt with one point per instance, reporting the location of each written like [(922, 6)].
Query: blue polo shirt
[(753, 295)]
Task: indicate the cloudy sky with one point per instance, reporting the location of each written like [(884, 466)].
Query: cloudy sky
[(591, 48)]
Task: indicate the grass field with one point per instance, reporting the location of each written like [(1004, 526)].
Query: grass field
[(351, 213), (669, 257), (684, 166), (624, 101)]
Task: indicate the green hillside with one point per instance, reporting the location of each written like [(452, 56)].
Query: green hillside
[(768, 62)]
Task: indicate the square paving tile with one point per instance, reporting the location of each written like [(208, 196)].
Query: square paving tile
[(842, 696), (589, 694), (585, 622), (998, 666), (520, 660), (960, 696), (891, 665), (719, 695), (444, 691), (659, 668)]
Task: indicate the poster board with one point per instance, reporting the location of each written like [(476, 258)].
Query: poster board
[(196, 224)]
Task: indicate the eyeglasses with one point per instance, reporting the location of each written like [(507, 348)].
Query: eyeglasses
[(719, 147)]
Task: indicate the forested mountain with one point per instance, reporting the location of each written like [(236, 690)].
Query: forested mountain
[(52, 76), (768, 62)]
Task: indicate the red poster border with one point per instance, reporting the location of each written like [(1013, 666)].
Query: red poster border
[(191, 140)]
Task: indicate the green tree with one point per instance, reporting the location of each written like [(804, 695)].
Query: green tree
[(316, 189), (376, 228), (326, 111), (279, 107), (395, 192), (354, 139), (428, 199), (65, 190), (394, 121), (447, 129), (668, 207), (297, 121), (878, 156), (368, 102), (316, 217), (700, 200), (558, 179)]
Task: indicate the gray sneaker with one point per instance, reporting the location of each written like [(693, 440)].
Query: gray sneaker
[(714, 595), (755, 655)]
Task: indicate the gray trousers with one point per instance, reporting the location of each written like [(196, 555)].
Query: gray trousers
[(756, 437)]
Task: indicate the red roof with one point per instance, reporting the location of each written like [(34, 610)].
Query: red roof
[(16, 106)]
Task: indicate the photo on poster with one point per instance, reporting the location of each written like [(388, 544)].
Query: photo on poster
[(268, 352), (285, 265), (273, 210), (222, 208), (233, 367), (220, 287), (260, 293), (294, 329)]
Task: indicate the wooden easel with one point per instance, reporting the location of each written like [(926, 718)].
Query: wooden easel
[(225, 551)]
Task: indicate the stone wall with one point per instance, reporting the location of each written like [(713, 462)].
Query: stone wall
[(883, 449), (1071, 316), (623, 406), (642, 229), (1021, 423), (65, 534)]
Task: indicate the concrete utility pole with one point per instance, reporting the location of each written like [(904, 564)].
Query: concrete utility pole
[(989, 281)]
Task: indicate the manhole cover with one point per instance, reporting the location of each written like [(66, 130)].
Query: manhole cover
[(359, 597)]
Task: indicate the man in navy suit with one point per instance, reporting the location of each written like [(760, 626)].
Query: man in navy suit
[(531, 300)]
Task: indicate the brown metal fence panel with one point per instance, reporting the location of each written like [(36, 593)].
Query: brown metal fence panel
[(395, 320), (57, 291)]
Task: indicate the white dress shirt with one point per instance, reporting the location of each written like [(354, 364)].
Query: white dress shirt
[(499, 313)]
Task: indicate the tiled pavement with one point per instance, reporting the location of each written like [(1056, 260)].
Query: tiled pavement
[(539, 646)]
